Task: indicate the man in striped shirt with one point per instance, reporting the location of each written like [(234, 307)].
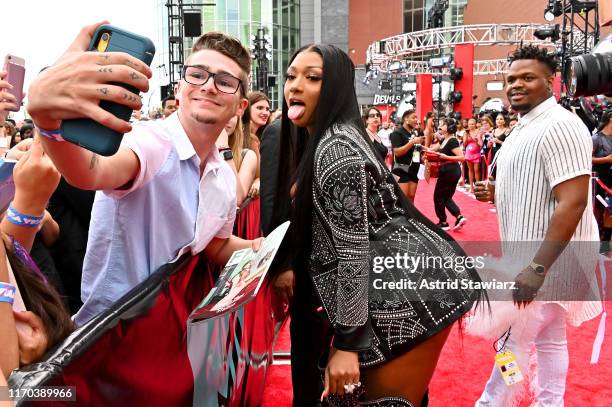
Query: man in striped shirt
[(542, 194)]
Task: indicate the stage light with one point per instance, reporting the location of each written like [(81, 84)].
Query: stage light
[(456, 96), (548, 31), (456, 73), (554, 9)]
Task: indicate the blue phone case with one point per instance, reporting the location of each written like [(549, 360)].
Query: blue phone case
[(90, 134)]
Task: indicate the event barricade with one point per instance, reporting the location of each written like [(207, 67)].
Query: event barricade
[(145, 351)]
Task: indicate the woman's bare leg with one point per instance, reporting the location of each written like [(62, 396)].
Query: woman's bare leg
[(408, 375), (471, 175), (477, 170), (409, 189)]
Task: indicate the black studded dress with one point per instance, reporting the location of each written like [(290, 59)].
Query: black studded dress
[(359, 216)]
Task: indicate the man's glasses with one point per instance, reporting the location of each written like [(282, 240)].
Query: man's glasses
[(224, 82), (373, 115)]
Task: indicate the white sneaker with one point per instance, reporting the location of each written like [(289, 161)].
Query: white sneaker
[(461, 220)]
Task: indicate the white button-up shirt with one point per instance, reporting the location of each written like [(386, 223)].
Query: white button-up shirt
[(169, 210)]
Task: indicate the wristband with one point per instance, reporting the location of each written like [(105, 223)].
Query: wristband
[(53, 135), (7, 293), (20, 219)]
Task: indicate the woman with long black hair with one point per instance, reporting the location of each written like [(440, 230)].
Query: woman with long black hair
[(347, 214)]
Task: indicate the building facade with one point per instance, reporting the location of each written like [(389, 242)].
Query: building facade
[(242, 19), (414, 18)]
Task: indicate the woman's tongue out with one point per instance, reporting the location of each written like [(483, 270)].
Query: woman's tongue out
[(295, 111)]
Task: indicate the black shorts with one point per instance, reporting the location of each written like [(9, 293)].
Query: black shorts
[(412, 176)]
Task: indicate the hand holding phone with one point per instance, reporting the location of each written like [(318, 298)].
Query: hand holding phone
[(79, 82), (93, 135), (15, 74)]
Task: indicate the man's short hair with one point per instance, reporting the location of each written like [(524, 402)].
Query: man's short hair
[(229, 46), (166, 99), (537, 53), (407, 113)]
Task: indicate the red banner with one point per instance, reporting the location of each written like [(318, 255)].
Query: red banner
[(464, 59), (424, 101)]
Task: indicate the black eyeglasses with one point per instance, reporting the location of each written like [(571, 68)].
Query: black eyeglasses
[(224, 82), (373, 115)]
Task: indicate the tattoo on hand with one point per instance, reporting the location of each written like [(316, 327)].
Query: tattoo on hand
[(105, 69), (103, 91), (134, 76), (105, 56), (131, 64), (94, 160), (131, 98)]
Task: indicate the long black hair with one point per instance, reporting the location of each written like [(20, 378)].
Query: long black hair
[(337, 105)]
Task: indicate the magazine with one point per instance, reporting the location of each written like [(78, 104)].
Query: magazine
[(7, 185), (241, 278)]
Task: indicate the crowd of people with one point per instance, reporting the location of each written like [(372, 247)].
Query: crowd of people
[(345, 179)]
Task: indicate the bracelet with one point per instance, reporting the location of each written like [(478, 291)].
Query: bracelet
[(7, 292), (20, 219), (53, 135)]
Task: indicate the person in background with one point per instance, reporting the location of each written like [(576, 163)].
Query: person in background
[(486, 134), (451, 156), (429, 128), (602, 165), (7, 136), (372, 122), (404, 141), (27, 335), (472, 142), (384, 133), (26, 131), (499, 136), (242, 161), (512, 121), (16, 139), (461, 130), (255, 120), (169, 105)]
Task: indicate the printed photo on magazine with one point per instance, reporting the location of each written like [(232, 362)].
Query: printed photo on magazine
[(241, 278), (7, 185)]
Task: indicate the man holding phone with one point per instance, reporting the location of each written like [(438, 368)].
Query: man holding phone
[(166, 191)]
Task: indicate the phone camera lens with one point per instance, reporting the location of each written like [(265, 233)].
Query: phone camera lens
[(105, 37)]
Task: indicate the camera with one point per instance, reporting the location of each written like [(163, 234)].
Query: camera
[(590, 74)]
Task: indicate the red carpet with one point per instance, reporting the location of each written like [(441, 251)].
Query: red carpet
[(466, 362)]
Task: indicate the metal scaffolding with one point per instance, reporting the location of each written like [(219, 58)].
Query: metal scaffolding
[(175, 41), (398, 49), (176, 37)]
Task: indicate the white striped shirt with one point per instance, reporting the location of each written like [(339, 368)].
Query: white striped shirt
[(548, 146)]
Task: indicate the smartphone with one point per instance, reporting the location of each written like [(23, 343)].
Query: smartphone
[(88, 133), (15, 69)]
